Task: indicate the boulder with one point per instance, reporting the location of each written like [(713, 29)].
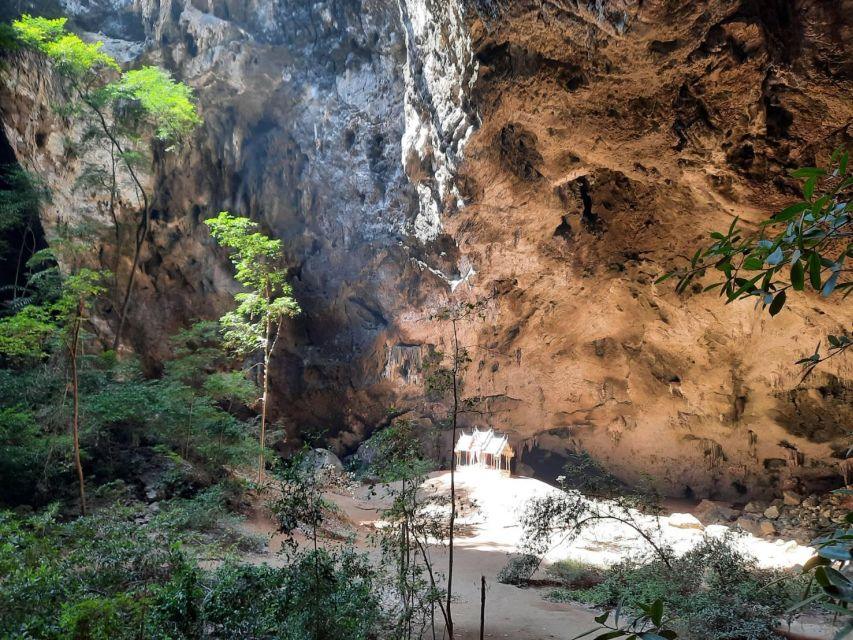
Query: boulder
[(791, 498), (771, 512), (767, 528), (684, 521), (749, 524), (811, 501), (365, 454), (754, 507), (715, 511), (323, 459)]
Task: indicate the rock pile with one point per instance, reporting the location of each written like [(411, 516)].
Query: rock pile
[(792, 516)]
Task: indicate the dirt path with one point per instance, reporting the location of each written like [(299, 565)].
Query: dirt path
[(491, 531), (511, 612)]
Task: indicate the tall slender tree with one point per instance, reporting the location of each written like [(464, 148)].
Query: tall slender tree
[(256, 323), (27, 334), (124, 111)]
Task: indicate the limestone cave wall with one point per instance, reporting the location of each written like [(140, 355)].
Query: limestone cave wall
[(551, 157)]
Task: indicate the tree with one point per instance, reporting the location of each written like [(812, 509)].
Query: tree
[(445, 377), (807, 241), (257, 321), (26, 333), (79, 291), (124, 112), (415, 518)]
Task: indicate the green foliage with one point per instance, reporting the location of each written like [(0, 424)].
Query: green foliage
[(186, 414), (22, 197), (257, 260), (71, 55), (115, 575), (37, 31), (28, 462), (713, 592), (23, 336), (829, 584), (291, 603), (519, 569), (414, 520), (806, 243), (396, 454), (168, 104), (299, 503), (648, 624), (574, 574)]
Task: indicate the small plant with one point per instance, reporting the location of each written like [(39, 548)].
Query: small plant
[(712, 592), (647, 625), (519, 569), (829, 583), (574, 574)]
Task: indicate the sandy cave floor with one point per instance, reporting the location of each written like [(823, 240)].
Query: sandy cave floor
[(491, 531)]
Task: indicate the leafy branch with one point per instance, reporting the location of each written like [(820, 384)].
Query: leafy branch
[(649, 625), (808, 242)]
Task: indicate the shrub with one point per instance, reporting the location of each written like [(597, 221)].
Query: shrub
[(575, 574), (108, 576), (714, 592), (519, 568)]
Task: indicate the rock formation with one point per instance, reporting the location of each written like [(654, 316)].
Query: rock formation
[(550, 157)]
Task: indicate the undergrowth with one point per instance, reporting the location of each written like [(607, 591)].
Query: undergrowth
[(125, 574), (713, 592)]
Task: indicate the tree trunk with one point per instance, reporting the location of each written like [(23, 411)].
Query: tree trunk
[(452, 479), (482, 606), (262, 438), (142, 229), (75, 422), (141, 233)]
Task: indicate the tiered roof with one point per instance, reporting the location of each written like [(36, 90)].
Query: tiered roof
[(487, 442)]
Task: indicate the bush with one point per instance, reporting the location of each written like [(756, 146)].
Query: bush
[(109, 576), (519, 568), (714, 592), (575, 574)]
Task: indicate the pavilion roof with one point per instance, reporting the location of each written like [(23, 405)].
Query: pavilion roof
[(464, 443), (487, 442)]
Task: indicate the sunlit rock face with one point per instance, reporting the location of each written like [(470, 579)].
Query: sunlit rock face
[(553, 158)]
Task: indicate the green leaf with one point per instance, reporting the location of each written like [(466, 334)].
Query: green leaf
[(656, 612), (813, 562), (805, 603), (743, 287), (798, 276), (814, 270), (778, 303), (753, 263), (601, 619), (807, 172), (808, 188), (789, 213), (829, 285)]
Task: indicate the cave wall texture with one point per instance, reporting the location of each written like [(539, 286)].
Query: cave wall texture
[(551, 156)]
